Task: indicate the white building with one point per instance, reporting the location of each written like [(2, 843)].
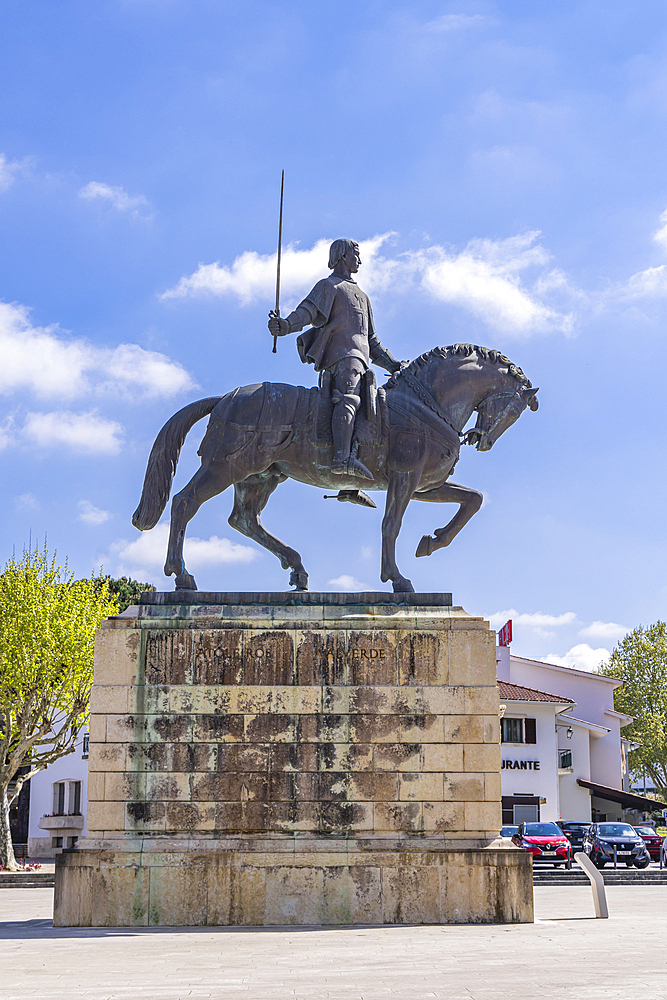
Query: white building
[(58, 797), (563, 753)]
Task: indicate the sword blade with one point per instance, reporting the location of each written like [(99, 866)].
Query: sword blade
[(280, 253)]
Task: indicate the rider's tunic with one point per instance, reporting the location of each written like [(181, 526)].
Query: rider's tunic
[(342, 325)]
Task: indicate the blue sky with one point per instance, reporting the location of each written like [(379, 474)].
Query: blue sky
[(503, 166)]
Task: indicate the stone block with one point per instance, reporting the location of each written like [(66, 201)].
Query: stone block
[(107, 756), (422, 658), (177, 896), (189, 817), (96, 786), (168, 657), (397, 757), (481, 757), (217, 657), (443, 817), (97, 729), (420, 787), (464, 729), (105, 816), (442, 757), (122, 786), (144, 817), (395, 817), (110, 698), (268, 658), (481, 700), (466, 787), (116, 659), (321, 658), (492, 792), (483, 816), (472, 658), (411, 895)]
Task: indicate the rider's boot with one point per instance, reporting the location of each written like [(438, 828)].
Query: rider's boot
[(342, 425)]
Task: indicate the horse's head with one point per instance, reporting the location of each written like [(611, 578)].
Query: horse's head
[(496, 413)]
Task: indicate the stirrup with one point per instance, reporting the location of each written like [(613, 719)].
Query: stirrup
[(353, 496)]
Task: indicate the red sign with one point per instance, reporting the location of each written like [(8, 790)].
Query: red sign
[(505, 634)]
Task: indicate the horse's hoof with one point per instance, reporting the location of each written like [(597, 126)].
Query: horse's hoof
[(403, 586), (185, 581), (299, 579), (425, 547)]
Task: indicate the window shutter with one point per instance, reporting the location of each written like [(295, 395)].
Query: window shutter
[(530, 730)]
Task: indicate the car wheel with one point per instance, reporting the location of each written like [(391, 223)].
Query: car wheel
[(641, 864), (599, 863)]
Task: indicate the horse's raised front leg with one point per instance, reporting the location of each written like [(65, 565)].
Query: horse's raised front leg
[(250, 498), (207, 482), (470, 501), (399, 492)]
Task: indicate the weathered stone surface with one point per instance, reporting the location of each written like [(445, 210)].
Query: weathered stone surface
[(241, 887), (278, 726)]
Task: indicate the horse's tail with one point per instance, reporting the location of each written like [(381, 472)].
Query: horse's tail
[(163, 460)]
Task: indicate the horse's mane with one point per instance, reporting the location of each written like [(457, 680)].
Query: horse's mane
[(462, 351)]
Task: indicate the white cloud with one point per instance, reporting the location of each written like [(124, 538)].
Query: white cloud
[(349, 584), (82, 432), (90, 514), (146, 554), (609, 631), (45, 361), (581, 657), (534, 620), (117, 197), (537, 623), (485, 278), (660, 235), (27, 501), (252, 277), (454, 22), (7, 170)]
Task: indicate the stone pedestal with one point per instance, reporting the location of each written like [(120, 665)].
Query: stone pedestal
[(293, 759)]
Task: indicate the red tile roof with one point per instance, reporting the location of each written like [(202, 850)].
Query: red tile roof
[(515, 692)]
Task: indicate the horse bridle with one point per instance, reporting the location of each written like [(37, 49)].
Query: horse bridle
[(422, 392)]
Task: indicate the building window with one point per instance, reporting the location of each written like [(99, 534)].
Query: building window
[(519, 730), (56, 841), (86, 747), (512, 730), (59, 798), (67, 798)]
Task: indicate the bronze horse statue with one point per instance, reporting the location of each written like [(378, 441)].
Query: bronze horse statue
[(260, 435)]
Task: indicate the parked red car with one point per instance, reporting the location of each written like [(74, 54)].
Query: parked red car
[(545, 841), (652, 840)]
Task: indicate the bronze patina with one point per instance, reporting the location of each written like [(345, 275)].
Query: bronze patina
[(260, 435)]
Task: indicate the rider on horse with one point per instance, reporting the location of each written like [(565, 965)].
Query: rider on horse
[(341, 341)]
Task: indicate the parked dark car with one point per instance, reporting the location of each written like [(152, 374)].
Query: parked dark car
[(602, 838), (545, 841), (575, 833), (652, 840), (508, 831)]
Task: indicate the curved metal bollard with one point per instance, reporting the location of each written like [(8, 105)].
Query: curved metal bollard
[(597, 884)]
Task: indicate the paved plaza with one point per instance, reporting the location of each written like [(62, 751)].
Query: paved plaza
[(565, 953)]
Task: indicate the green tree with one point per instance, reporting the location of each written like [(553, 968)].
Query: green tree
[(126, 591), (47, 633), (640, 661)]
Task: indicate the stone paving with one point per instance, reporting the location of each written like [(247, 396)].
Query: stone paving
[(566, 953)]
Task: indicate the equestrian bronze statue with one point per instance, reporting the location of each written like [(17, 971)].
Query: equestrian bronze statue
[(406, 436)]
